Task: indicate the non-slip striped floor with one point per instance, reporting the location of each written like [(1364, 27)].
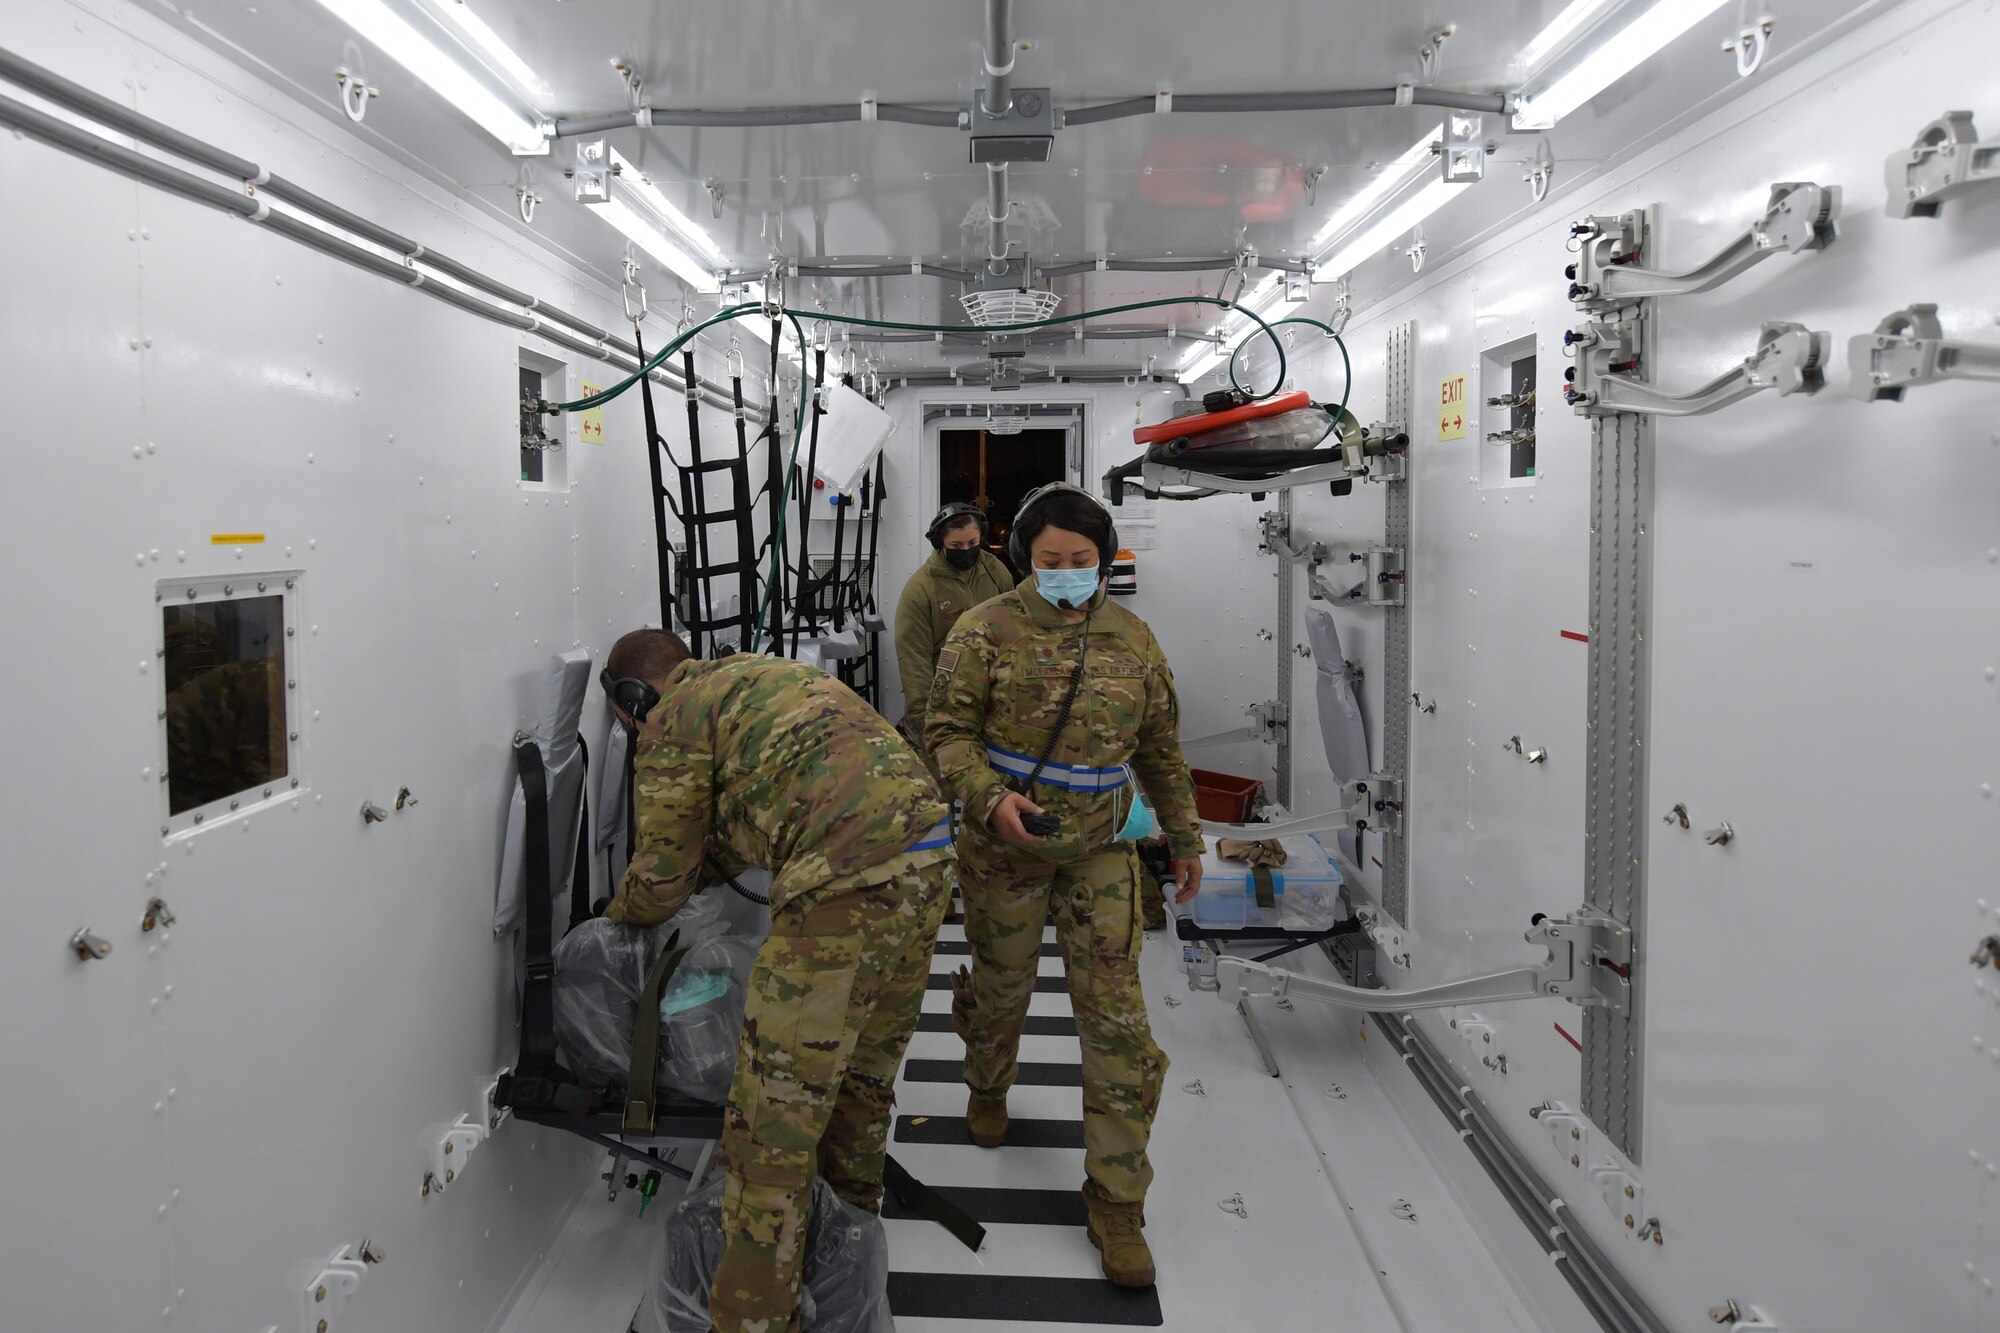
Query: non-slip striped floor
[(1037, 1266)]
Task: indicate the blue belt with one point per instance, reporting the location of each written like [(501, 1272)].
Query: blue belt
[(938, 836), (1069, 777)]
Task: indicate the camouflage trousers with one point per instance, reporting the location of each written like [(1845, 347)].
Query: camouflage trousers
[(833, 998), (1009, 897)]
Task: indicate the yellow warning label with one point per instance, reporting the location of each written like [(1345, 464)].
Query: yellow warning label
[(236, 539), (1451, 408), (590, 424)]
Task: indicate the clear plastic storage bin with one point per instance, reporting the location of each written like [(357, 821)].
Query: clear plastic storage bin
[(1305, 891)]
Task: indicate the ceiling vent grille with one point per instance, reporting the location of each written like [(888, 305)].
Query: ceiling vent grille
[(1009, 305)]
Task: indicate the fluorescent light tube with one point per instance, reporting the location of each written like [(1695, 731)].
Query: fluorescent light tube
[(1391, 179), (646, 234), (678, 224), (1550, 41), (1618, 56), (448, 79), (1354, 250), (487, 40)]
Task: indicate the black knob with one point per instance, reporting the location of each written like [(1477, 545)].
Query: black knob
[(1569, 271), (1538, 918)]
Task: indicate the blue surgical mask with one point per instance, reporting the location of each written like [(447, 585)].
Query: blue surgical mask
[(1140, 824), (1074, 586)]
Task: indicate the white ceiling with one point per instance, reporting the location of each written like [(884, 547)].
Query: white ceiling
[(1146, 187)]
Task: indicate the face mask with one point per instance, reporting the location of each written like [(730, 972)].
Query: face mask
[(1140, 824), (1071, 587), (962, 560)]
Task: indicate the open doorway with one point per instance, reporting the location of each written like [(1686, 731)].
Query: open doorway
[(996, 472)]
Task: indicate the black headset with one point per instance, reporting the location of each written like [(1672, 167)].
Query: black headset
[(1017, 546), (633, 695), (949, 516)]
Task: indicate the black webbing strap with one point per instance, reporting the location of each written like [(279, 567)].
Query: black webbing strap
[(774, 481), (806, 604), (639, 1092), (926, 1202), (579, 875), (701, 602), (538, 1015), (654, 444), (741, 510), (1267, 897)]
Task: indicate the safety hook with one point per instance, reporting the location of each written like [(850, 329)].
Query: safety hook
[(1751, 44), (1313, 179), (714, 188), (528, 199), (354, 94), (1541, 171)]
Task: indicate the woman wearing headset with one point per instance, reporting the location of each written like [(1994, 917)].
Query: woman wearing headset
[(959, 575), (1049, 708)]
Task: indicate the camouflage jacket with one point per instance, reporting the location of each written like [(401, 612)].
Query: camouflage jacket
[(760, 761), (997, 691), (932, 601)]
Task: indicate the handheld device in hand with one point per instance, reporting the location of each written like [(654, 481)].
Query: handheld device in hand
[(1043, 825)]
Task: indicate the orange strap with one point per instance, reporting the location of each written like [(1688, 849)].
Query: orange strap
[(1207, 421)]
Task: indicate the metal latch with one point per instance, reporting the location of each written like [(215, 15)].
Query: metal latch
[(1909, 347), (1383, 575), (1945, 162), (1988, 952)]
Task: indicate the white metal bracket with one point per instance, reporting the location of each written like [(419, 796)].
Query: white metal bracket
[(1372, 803), (1908, 348), (1383, 571), (1581, 949), (1799, 217), (327, 1294), (1267, 720), (1789, 358), (1946, 161), (450, 1151)]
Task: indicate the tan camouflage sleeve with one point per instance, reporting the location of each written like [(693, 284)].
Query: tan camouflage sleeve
[(955, 726), (675, 794), (914, 640), (1162, 770)]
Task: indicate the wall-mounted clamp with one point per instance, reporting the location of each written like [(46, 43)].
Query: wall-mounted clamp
[(324, 1297), (158, 916), (1988, 952), (372, 813), (1789, 358), (1539, 755), (1677, 815), (1799, 217), (89, 947), (1267, 721), (1741, 1318), (1720, 837), (1909, 348), (1423, 705), (1382, 575), (1946, 161)]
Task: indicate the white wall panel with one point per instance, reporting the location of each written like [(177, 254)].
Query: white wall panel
[(209, 1112), (1825, 594)]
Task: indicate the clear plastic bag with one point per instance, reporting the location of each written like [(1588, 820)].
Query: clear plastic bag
[(701, 1017), (601, 970), (844, 1288), (1300, 428)]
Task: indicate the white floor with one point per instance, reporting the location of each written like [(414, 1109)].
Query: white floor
[(1347, 1223)]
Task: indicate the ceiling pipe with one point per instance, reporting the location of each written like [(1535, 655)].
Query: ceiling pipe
[(1192, 265), (1336, 100), (828, 113), (999, 58), (874, 268)]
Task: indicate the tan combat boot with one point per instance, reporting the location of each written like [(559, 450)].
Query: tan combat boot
[(1115, 1231), (986, 1120)]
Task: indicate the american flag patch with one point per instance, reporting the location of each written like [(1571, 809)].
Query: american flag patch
[(948, 660)]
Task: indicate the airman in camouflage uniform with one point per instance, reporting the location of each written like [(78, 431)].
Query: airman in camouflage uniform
[(995, 697), (758, 761), (932, 601)]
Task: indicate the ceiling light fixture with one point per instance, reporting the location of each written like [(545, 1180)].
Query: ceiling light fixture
[(1614, 58), (520, 131), (1554, 39), (488, 41), (1356, 249), (613, 188), (1387, 182)]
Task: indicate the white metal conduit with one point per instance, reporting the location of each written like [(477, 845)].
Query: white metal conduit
[(251, 203)]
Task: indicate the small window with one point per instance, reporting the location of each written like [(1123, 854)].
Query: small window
[(228, 687), (1507, 383)]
